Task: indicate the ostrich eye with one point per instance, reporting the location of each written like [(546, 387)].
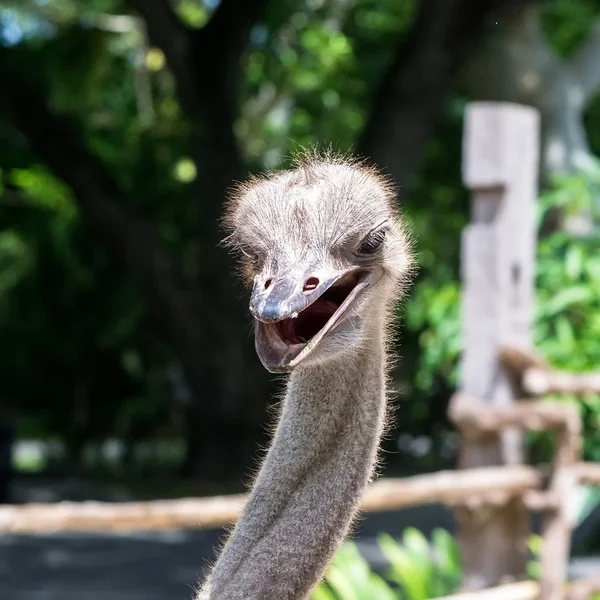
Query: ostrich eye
[(372, 242)]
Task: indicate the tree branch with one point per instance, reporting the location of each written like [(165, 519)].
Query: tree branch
[(516, 64), (412, 93), (167, 32), (585, 65)]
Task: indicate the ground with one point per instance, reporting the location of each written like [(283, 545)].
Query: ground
[(154, 566), (159, 566)]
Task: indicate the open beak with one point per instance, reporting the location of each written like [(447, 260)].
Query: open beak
[(294, 314)]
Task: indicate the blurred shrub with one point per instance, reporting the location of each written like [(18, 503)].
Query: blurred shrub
[(567, 328), (418, 569), (567, 317)]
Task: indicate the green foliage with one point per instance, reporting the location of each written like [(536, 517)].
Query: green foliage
[(431, 339), (534, 545), (192, 13), (567, 329), (42, 189), (15, 261), (568, 22), (310, 75), (434, 311), (87, 361), (418, 570), (567, 318), (349, 577), (421, 569)]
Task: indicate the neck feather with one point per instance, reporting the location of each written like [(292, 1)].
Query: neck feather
[(311, 482)]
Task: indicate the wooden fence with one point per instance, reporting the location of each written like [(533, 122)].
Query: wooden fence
[(502, 384)]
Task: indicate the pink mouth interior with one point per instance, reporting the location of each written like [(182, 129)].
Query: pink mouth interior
[(313, 318), (308, 323)]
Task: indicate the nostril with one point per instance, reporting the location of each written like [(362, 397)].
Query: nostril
[(268, 283), (310, 284)]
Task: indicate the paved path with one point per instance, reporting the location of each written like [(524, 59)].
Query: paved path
[(161, 566), (145, 566)]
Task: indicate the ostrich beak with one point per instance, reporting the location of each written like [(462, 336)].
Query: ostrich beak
[(293, 314), (288, 296)]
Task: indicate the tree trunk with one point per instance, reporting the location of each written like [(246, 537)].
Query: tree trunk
[(6, 471), (412, 94), (518, 65)]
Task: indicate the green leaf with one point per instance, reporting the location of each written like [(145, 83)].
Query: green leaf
[(405, 569), (338, 581), (567, 298), (15, 260), (447, 553), (574, 262), (321, 592), (42, 189)]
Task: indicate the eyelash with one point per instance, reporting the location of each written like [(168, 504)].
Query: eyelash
[(253, 258), (372, 242)]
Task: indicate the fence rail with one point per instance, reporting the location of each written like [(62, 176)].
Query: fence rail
[(470, 488), (487, 485), (528, 590), (538, 378)]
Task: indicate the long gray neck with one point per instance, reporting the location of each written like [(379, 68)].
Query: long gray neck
[(310, 484)]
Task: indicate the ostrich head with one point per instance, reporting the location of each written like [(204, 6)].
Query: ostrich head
[(324, 249)]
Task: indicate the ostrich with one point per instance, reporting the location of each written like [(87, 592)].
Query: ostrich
[(327, 256)]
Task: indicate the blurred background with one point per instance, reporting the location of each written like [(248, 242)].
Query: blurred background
[(127, 367)]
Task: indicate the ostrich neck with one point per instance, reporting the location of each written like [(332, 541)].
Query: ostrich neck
[(311, 482)]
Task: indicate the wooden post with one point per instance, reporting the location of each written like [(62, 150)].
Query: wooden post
[(500, 167), (557, 524)]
